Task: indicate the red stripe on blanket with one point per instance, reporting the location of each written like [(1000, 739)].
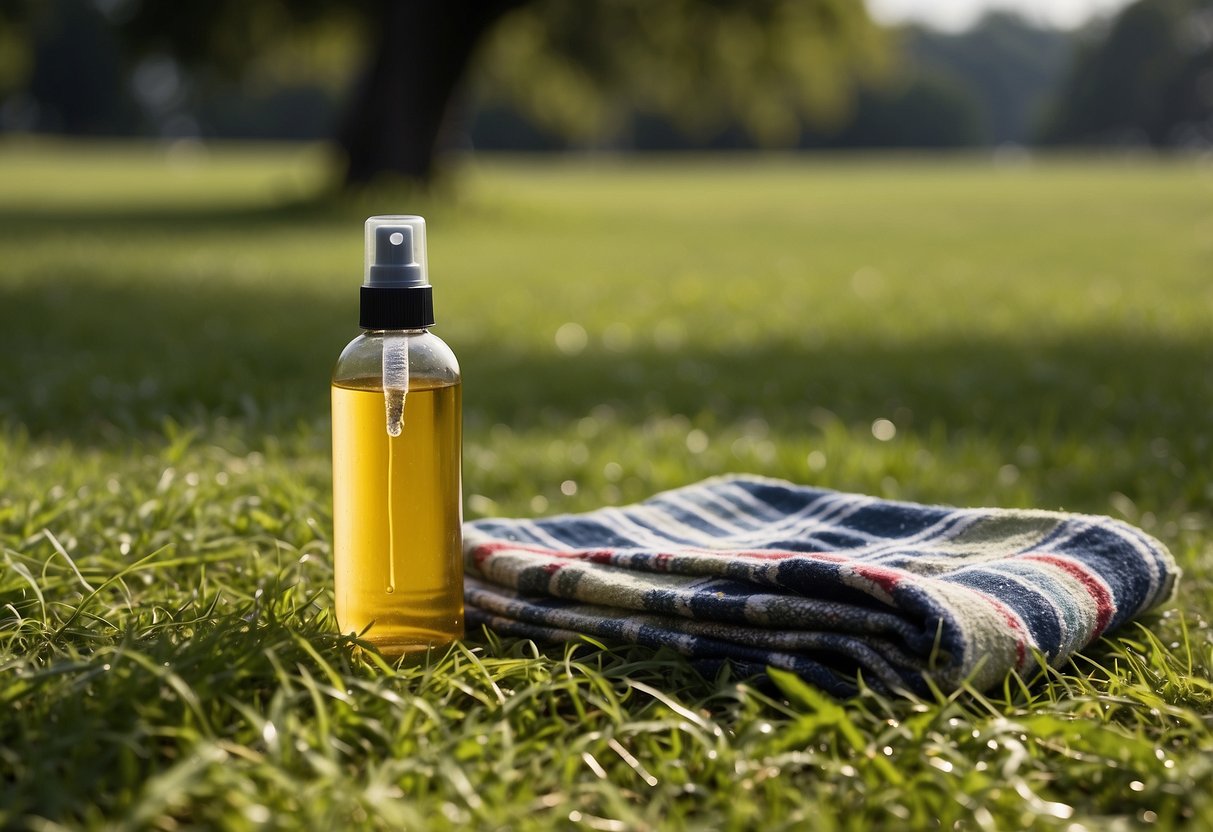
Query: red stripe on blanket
[(886, 579), (1097, 589), (1021, 633), (486, 550)]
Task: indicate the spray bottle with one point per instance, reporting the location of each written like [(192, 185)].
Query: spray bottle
[(397, 439)]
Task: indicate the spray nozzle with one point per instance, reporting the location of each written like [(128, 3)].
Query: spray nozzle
[(395, 252), (394, 264), (396, 290)]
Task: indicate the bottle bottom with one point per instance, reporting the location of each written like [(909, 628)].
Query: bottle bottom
[(404, 623), (415, 643)]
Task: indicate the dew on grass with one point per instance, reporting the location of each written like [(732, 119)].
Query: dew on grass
[(571, 338), (883, 430), (592, 762), (257, 813)]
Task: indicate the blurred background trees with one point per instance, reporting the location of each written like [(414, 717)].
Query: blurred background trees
[(1144, 78), (397, 82)]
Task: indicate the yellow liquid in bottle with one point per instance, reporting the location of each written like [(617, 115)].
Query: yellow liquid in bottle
[(397, 516)]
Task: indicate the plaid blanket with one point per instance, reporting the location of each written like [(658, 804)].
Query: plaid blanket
[(829, 585)]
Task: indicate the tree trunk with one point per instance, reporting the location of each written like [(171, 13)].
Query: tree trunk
[(399, 111)]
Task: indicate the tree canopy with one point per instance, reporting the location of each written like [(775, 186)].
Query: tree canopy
[(579, 66), (1144, 80), (771, 66), (392, 82)]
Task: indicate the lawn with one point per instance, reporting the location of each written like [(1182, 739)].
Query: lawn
[(1037, 335)]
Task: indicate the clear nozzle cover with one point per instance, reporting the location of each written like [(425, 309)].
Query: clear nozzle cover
[(395, 252), (396, 292)]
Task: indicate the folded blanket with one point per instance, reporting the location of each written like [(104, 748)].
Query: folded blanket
[(832, 586)]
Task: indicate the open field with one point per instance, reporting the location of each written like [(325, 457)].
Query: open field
[(1038, 335)]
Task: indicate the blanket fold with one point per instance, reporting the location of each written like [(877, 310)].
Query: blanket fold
[(762, 572)]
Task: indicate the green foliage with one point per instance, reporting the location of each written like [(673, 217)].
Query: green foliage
[(61, 69), (229, 35), (16, 56), (1144, 81), (772, 66), (167, 321)]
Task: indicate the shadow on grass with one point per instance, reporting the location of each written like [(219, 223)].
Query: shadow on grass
[(295, 213), (102, 362), (93, 362)]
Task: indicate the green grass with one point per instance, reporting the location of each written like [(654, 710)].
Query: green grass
[(1039, 336)]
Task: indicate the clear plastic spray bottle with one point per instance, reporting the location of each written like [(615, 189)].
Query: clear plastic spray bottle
[(397, 440)]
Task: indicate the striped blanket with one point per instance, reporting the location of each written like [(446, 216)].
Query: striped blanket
[(832, 586)]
